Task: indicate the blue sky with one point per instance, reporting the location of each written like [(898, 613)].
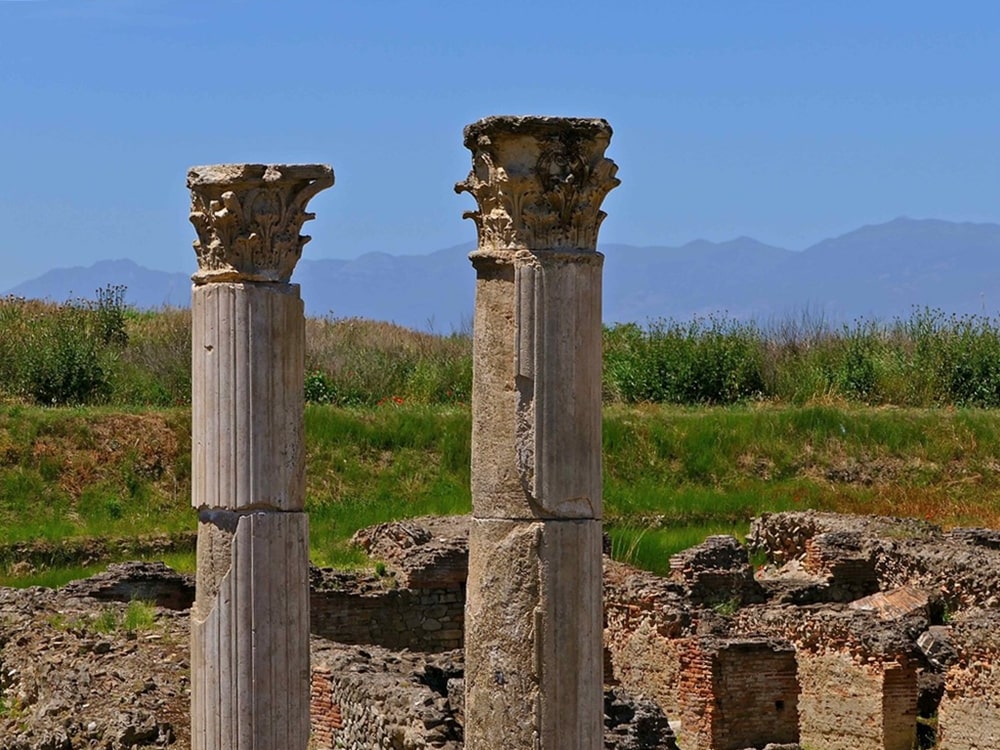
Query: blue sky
[(786, 121)]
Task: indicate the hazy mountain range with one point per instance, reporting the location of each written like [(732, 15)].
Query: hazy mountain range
[(880, 271)]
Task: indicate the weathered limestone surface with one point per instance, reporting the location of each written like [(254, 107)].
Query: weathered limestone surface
[(249, 367), (537, 330), (539, 653), (248, 218), (254, 672), (539, 181), (533, 612), (250, 622)]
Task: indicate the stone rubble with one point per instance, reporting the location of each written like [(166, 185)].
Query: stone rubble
[(66, 684), (873, 672)]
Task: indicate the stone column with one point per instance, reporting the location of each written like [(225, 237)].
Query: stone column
[(534, 608), (250, 621)]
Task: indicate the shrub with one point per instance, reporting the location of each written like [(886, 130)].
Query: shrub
[(62, 353), (83, 352), (63, 360), (707, 361)]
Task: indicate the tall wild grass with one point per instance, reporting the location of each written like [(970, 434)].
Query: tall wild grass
[(354, 362), (105, 352), (928, 359)]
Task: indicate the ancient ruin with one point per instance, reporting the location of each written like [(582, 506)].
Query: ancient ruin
[(785, 661), (250, 620), (533, 612), (507, 629)]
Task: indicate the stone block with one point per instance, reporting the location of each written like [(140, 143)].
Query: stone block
[(537, 390), (248, 344), (534, 618), (250, 628)]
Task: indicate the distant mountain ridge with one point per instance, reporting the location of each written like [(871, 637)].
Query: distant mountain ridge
[(877, 271)]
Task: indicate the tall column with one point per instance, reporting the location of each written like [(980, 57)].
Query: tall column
[(534, 608), (250, 621)]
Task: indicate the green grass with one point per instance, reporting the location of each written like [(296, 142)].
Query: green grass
[(764, 418), (651, 548), (52, 577), (367, 466), (137, 616), (672, 475)]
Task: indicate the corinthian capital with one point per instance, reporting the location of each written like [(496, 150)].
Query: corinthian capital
[(539, 181), (248, 218)]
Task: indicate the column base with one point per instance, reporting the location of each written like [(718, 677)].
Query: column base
[(250, 632), (533, 635)]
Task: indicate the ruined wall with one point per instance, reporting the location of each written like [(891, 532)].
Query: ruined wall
[(737, 694), (418, 604), (857, 676), (959, 565), (851, 704), (644, 620), (969, 712), (858, 670), (646, 662), (420, 620), (370, 698), (715, 572), (843, 558)]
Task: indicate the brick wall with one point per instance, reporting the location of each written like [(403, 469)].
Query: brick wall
[(737, 694), (843, 558), (851, 704), (428, 620), (899, 705), (857, 676), (646, 663), (644, 622), (969, 712)]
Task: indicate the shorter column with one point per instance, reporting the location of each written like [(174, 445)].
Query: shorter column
[(250, 620)]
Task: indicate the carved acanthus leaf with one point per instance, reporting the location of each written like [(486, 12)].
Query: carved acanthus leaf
[(248, 218), (538, 181)]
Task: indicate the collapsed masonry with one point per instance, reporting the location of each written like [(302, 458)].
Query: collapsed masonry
[(390, 669), (893, 623), (857, 633), (854, 634)]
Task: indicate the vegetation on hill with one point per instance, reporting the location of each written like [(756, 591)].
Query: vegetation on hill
[(707, 423), (671, 474), (106, 353)]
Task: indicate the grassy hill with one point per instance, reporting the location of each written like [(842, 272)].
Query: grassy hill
[(707, 423), (672, 474)]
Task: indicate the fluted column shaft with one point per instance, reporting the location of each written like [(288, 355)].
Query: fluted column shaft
[(250, 621), (534, 607)]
